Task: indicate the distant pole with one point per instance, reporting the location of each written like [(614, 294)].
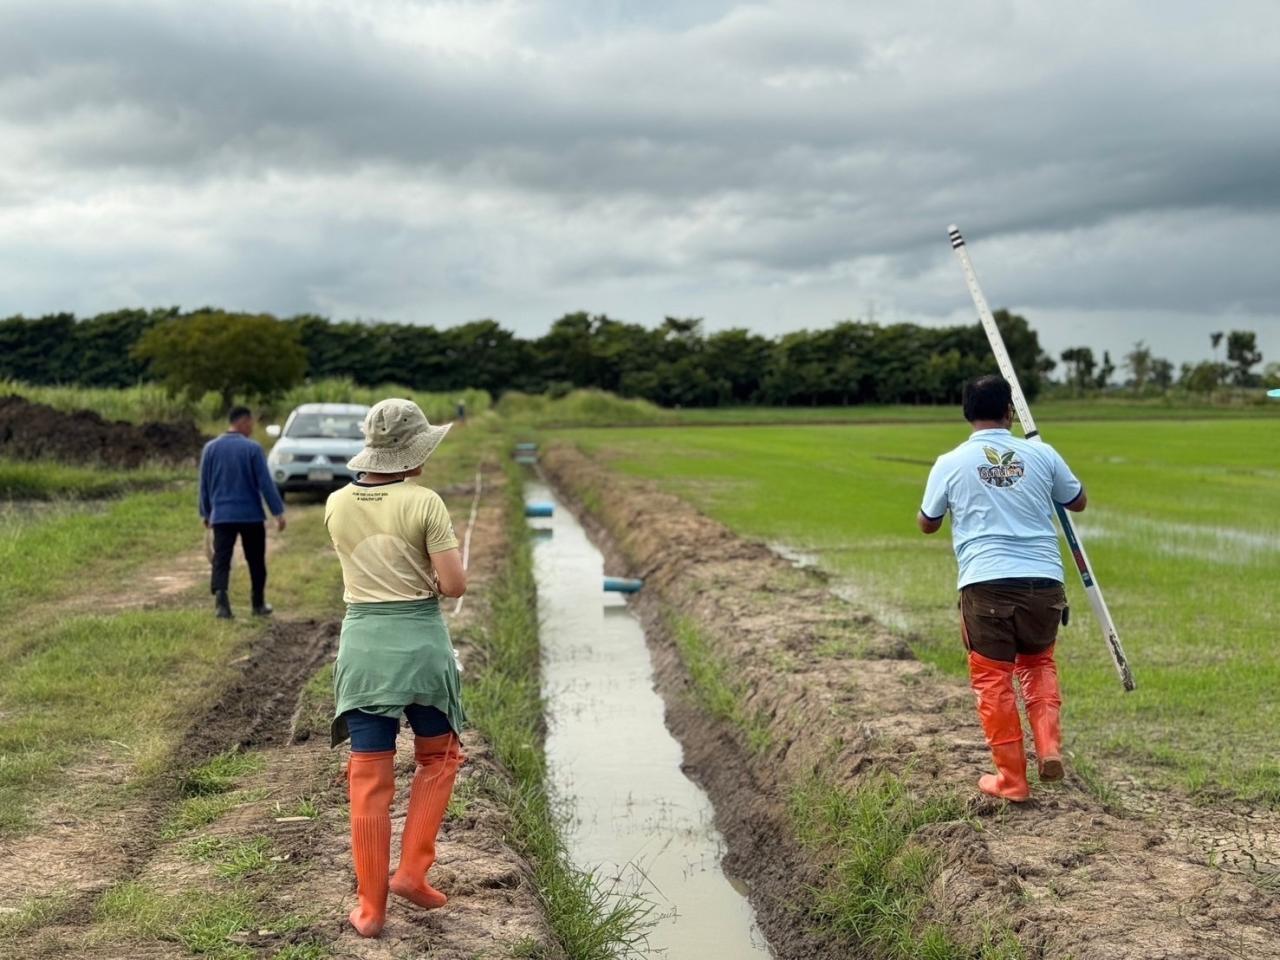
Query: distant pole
[(1091, 588)]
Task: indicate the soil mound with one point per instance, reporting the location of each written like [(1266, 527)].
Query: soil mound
[(35, 431)]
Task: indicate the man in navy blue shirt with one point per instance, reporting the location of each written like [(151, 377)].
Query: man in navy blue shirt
[(234, 479)]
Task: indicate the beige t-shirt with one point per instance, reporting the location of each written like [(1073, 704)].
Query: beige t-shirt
[(384, 535)]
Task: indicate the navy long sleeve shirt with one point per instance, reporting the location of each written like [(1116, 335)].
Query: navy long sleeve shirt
[(234, 478)]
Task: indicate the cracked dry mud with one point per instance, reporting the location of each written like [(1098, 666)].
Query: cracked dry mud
[(1072, 878)]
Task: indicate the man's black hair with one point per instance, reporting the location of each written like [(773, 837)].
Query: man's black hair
[(238, 413), (987, 398)]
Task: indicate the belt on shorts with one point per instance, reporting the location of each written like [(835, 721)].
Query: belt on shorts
[(1028, 583)]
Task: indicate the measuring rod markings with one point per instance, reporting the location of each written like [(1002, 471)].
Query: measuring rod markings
[(1092, 590)]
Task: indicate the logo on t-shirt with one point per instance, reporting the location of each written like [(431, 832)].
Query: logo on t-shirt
[(1005, 470)]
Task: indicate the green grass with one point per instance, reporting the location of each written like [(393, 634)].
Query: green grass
[(33, 914), (504, 702), (233, 859), (596, 408), (717, 692), (27, 480), (61, 552), (221, 773), (1181, 527), (578, 408), (878, 879), (150, 401), (136, 404), (138, 674), (201, 921), (210, 790)]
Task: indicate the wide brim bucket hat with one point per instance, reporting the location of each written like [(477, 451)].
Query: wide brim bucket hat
[(397, 437)]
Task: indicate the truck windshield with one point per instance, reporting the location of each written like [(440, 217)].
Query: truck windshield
[(334, 426)]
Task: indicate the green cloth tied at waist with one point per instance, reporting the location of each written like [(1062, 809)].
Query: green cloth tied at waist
[(391, 655)]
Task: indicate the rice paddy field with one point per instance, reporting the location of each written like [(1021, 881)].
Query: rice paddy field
[(1182, 527)]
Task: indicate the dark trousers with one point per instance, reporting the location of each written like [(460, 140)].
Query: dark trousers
[(253, 541), (371, 733)]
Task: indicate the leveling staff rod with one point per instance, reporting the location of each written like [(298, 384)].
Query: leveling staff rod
[(1091, 588)]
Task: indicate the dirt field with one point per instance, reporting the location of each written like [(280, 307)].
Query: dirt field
[(256, 864), (1140, 876), (35, 431)]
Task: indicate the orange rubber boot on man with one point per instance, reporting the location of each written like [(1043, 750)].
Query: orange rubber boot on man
[(438, 761), (372, 783), (1038, 675), (992, 681)]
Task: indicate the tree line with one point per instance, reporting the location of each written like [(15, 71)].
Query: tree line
[(676, 363), (1148, 373)]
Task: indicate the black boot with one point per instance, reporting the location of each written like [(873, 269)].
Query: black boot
[(261, 608), (221, 605)]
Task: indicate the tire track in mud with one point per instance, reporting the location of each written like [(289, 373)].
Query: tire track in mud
[(1072, 878), (254, 709)]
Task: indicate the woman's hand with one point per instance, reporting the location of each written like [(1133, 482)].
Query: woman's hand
[(451, 579)]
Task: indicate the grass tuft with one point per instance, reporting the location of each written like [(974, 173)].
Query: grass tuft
[(220, 774), (878, 877), (233, 859), (35, 913), (200, 811), (719, 695)]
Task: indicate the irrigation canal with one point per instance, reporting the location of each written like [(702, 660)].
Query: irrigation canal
[(637, 819)]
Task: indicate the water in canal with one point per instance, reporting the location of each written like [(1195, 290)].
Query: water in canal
[(637, 818)]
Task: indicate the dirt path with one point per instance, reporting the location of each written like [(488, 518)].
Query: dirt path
[(294, 804), (838, 691)]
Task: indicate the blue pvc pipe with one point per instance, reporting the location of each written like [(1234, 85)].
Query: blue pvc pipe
[(621, 585), (1274, 393), (539, 509), (526, 447)]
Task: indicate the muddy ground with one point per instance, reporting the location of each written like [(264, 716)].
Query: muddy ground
[(36, 431), (1156, 877), (84, 850)]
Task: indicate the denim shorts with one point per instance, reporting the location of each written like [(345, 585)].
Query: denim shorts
[(374, 733)]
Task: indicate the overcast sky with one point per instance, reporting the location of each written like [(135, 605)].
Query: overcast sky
[(1115, 166)]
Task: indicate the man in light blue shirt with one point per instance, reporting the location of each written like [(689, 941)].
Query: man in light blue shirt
[(1000, 491)]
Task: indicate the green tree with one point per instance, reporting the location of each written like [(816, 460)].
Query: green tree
[(1138, 361), (1242, 351), (1203, 377), (1162, 373), (1105, 371), (1080, 366), (235, 354)]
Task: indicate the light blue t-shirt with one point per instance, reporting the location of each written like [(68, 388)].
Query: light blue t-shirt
[(999, 489)]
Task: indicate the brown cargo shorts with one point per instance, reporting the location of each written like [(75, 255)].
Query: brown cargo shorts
[(1001, 618)]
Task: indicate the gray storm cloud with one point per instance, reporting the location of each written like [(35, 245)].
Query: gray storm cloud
[(774, 165)]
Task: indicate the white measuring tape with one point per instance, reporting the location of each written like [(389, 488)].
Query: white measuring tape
[(471, 525)]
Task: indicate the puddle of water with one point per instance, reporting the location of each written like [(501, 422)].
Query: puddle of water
[(1206, 542), (637, 818)]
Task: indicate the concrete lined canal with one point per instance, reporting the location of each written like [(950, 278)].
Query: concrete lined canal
[(636, 816)]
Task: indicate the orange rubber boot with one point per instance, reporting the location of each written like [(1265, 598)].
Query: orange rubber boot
[(992, 681), (438, 761), (1038, 675), (372, 782)]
